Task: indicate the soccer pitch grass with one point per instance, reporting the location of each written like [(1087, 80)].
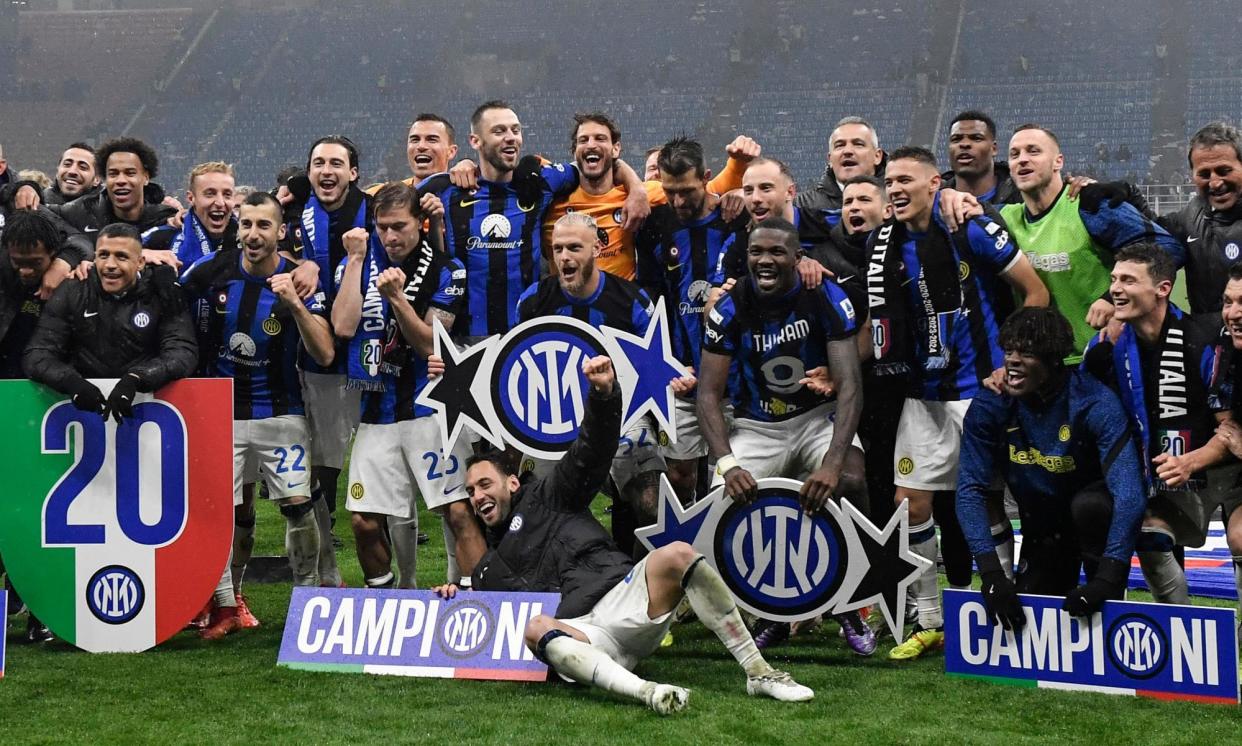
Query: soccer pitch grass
[(191, 691)]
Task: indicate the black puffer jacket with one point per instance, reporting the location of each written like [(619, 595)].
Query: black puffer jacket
[(85, 332), (1006, 192), (552, 542), (89, 213)]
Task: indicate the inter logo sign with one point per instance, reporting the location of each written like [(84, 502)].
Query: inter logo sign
[(115, 535), (784, 564), (414, 633), (1140, 649), (526, 389)]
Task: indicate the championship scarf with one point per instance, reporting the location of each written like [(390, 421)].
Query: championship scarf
[(366, 349), (315, 238), (939, 292), (1177, 416), (192, 243)]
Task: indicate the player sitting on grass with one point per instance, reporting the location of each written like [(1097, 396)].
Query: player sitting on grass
[(542, 536)]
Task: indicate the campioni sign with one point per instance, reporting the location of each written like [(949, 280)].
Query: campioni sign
[(115, 535), (414, 633), (1140, 649)]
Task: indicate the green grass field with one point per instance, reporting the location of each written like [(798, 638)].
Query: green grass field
[(191, 691)]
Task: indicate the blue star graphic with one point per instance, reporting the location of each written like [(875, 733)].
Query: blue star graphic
[(674, 523), (654, 364)]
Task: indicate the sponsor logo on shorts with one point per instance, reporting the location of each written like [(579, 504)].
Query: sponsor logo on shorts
[(905, 466), (1064, 433), (356, 491), (271, 327)]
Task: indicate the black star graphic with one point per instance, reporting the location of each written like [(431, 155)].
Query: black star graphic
[(890, 567), (450, 394)]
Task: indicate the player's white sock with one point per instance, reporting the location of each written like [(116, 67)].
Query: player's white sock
[(926, 592), (302, 544), (403, 533), (223, 595), (712, 602), (243, 546), (1164, 577), (329, 573), (451, 572), (1002, 537), (589, 665)]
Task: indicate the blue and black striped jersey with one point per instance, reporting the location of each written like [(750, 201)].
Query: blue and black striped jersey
[(497, 236), (248, 334), (617, 303), (775, 341)]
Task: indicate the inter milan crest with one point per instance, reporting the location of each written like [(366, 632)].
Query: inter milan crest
[(526, 388), (786, 565)]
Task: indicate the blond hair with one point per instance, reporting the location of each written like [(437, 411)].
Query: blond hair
[(211, 167)]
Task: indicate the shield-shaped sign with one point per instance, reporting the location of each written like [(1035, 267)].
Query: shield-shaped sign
[(116, 535)]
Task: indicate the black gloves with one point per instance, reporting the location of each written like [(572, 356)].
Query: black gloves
[(1109, 583), (1112, 192), (1000, 596), (121, 400), (87, 397), (528, 180)]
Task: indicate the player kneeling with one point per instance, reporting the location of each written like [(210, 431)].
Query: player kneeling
[(542, 536)]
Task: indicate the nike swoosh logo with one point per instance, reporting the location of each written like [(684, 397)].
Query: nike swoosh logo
[(90, 230), (1192, 240), (449, 492), (468, 202), (845, 279), (88, 314), (1012, 429), (291, 485)]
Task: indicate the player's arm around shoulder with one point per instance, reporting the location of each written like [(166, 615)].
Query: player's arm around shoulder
[(1118, 226)]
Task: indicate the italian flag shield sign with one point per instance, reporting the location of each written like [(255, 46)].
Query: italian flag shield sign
[(116, 535)]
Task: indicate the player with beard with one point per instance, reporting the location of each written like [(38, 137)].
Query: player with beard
[(1230, 431), (778, 331), (430, 146), (494, 216), (1061, 441), (393, 287), (681, 256), (1069, 243), (613, 613), (75, 175), (972, 157), (940, 296), (595, 144), (1166, 367), (853, 150), (580, 289), (251, 324), (208, 226)]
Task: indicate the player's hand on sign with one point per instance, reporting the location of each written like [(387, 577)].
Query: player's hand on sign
[(732, 204), (743, 149), (448, 590), (1174, 470), (1000, 596), (435, 367), (27, 198), (56, 273), (740, 485), (995, 382), (635, 210), (355, 242), (1099, 314), (819, 488), (161, 256), (599, 373), (121, 400), (306, 279), (812, 272), (87, 397), (431, 206), (1230, 432), (1109, 583), (683, 385), (819, 380), (282, 285), (958, 207), (391, 283), (465, 175)]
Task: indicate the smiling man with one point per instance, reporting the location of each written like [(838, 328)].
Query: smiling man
[(75, 175), (1165, 366), (542, 536), (1060, 440), (972, 160), (208, 226)]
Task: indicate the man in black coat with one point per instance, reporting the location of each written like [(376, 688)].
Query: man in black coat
[(542, 537)]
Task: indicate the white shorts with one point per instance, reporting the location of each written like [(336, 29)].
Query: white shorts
[(392, 464), (333, 412), (929, 438), (637, 452), (274, 448), (690, 441), (619, 625), (791, 448)]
